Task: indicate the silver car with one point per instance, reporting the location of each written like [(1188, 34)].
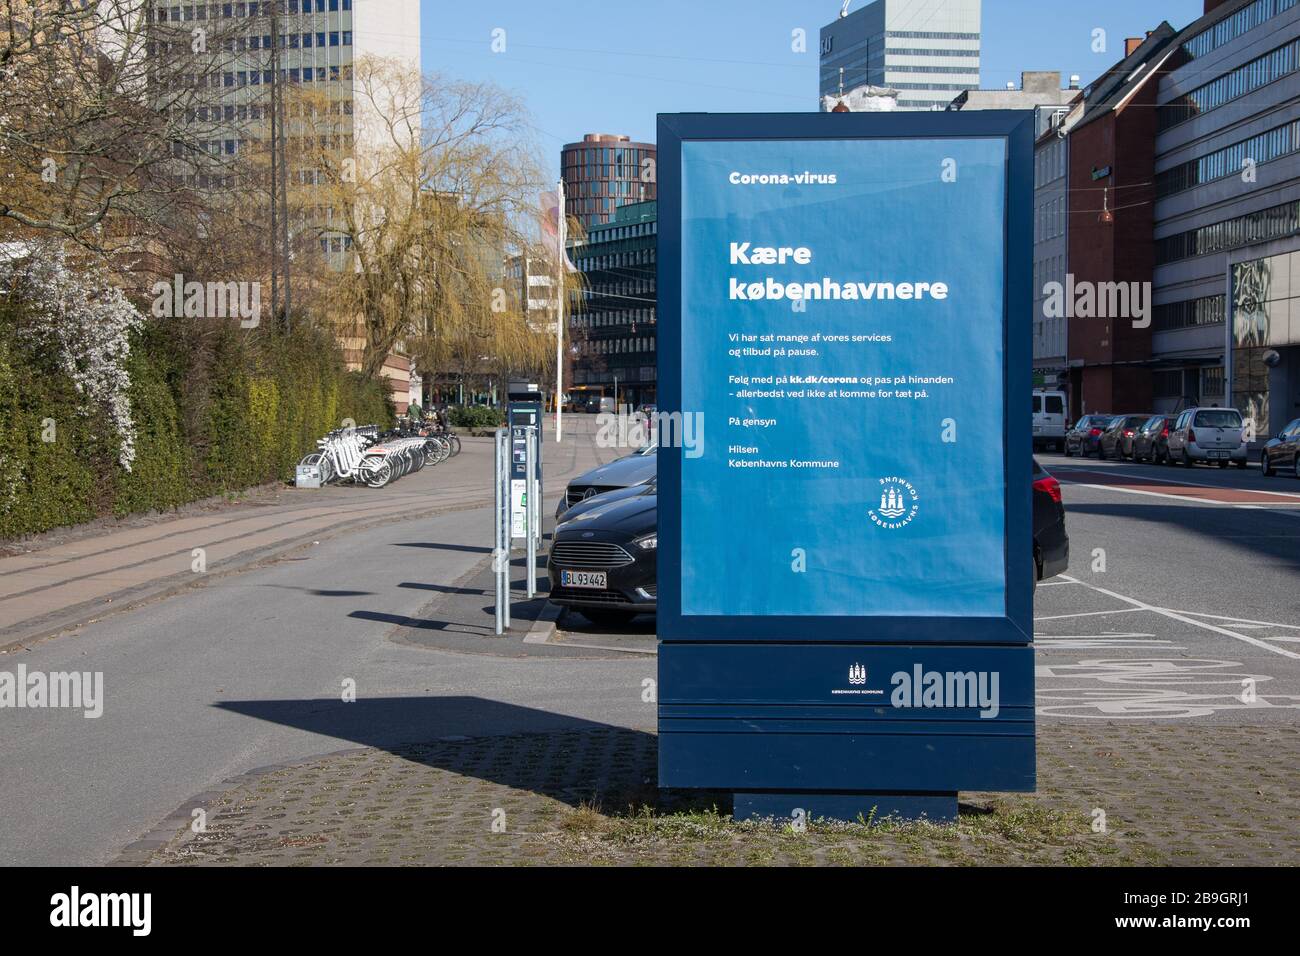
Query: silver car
[(1215, 436)]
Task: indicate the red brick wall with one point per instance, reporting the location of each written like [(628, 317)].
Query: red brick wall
[(1122, 251)]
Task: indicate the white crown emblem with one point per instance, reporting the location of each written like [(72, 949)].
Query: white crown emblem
[(891, 503), (857, 674)]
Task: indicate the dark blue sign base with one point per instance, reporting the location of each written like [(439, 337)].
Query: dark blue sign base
[(849, 807), (852, 719)]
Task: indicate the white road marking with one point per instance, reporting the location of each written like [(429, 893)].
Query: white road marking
[(1188, 484), (1062, 617), (1242, 620), (1150, 688), (1185, 499), (1174, 615)]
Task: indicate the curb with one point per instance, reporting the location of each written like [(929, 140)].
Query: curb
[(543, 626)]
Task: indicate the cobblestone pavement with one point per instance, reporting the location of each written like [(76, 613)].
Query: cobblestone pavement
[(1166, 794)]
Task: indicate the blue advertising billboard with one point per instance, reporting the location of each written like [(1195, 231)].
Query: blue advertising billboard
[(838, 313), (844, 310)]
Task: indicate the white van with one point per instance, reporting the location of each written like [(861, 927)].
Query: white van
[(1049, 419), (1211, 435)]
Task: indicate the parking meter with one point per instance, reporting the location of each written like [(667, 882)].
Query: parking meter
[(524, 409)]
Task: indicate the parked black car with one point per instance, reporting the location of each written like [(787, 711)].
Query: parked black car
[(1051, 543), (1151, 441), (1281, 454), (1082, 439), (603, 565), (602, 560), (1117, 440)]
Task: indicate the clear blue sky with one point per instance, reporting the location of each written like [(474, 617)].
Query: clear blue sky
[(610, 65)]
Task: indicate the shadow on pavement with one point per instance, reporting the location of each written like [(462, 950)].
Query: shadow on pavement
[(473, 548), (570, 759), (1279, 544)]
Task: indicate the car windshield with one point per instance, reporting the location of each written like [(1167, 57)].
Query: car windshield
[(1133, 421), (1218, 418)]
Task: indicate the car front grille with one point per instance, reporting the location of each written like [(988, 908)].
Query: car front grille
[(589, 554), (588, 595), (575, 494)]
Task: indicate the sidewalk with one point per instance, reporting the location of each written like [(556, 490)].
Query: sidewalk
[(1174, 794), (68, 577)]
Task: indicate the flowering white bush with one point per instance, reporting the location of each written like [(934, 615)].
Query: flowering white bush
[(84, 320)]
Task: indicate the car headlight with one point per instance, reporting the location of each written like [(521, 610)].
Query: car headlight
[(649, 543)]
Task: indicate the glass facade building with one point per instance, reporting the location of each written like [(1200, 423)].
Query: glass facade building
[(604, 172), (614, 334)]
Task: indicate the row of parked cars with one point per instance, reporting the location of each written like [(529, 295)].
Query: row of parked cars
[(1212, 436), (603, 554)]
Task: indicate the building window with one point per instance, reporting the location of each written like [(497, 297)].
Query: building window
[(1229, 28), (1230, 86), (1188, 314), (1271, 223), (1230, 160)]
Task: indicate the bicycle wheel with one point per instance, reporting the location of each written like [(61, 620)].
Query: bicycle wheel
[(455, 445), (379, 475)]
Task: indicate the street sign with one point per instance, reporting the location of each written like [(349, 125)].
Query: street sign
[(845, 578)]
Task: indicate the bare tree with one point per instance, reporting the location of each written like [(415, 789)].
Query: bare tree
[(101, 108)]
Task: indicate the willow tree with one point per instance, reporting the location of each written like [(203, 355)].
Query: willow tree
[(432, 190)]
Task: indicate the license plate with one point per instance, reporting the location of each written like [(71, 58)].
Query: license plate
[(583, 579), (1218, 454)]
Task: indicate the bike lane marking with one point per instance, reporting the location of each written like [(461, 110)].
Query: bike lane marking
[(1176, 616)]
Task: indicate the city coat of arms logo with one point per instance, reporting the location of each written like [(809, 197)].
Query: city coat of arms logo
[(899, 503), (857, 674)]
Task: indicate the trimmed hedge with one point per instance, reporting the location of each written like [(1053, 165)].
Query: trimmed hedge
[(216, 409), (477, 416)]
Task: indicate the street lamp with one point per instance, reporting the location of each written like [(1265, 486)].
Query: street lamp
[(1107, 217)]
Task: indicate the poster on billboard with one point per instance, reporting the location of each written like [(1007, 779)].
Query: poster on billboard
[(841, 319)]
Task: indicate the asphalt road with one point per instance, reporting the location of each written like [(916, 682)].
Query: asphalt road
[(1194, 615), (1182, 600)]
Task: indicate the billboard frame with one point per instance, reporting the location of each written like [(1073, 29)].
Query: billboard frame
[(1015, 625)]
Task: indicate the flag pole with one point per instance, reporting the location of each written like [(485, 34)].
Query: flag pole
[(559, 313)]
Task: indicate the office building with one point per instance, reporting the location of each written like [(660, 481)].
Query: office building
[(604, 172), (614, 334), (927, 50), (1226, 326), (227, 105)]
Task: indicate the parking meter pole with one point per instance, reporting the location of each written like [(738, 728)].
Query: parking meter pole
[(498, 480), (530, 542), (506, 518)]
